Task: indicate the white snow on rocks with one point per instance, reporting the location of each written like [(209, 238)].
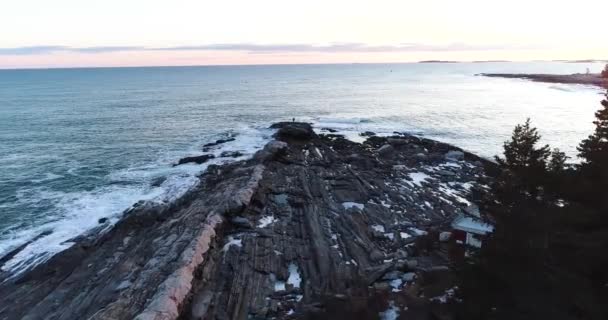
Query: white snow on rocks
[(392, 313), (232, 242), (279, 286), (294, 276), (348, 205), (266, 221), (378, 228), (418, 232), (418, 178), (396, 285)]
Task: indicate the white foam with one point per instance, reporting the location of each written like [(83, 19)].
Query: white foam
[(74, 213)]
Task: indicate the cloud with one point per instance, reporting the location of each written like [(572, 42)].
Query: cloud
[(273, 48), (31, 50)]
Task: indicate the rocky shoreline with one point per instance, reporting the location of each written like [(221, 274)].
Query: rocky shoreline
[(313, 226), (594, 79)]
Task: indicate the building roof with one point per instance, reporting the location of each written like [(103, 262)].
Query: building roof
[(472, 225)]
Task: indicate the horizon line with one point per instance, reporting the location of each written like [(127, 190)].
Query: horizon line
[(311, 64)]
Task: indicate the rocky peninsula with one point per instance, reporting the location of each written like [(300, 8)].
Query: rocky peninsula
[(593, 79), (313, 226)]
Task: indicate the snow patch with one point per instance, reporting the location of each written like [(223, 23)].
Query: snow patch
[(294, 276), (392, 313), (418, 178), (348, 205), (378, 228), (266, 221)]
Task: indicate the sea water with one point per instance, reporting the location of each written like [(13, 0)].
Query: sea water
[(80, 145)]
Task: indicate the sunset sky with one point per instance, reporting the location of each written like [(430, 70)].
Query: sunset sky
[(74, 33)]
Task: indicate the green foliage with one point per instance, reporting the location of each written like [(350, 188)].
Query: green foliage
[(557, 163), (521, 152), (594, 149), (593, 152)]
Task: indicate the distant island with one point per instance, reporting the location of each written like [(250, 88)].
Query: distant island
[(595, 79)]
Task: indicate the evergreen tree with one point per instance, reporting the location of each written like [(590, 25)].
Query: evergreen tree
[(557, 163), (594, 154), (525, 162)]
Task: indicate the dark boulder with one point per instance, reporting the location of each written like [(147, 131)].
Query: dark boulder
[(219, 141), (231, 154), (196, 159), (299, 131)]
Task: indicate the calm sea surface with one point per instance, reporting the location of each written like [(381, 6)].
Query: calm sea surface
[(77, 145)]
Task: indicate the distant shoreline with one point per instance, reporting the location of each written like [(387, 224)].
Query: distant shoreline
[(593, 79)]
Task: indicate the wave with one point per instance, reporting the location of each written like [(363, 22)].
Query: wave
[(75, 213)]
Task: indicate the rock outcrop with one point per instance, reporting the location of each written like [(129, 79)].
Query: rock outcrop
[(594, 79), (310, 225)]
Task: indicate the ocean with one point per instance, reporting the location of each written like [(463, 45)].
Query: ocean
[(79, 145)]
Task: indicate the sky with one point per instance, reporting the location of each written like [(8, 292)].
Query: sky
[(87, 33)]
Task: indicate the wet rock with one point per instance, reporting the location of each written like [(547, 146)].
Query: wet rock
[(231, 154), (218, 142), (102, 220), (367, 134), (196, 159)]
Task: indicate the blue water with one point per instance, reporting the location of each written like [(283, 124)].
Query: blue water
[(77, 145)]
